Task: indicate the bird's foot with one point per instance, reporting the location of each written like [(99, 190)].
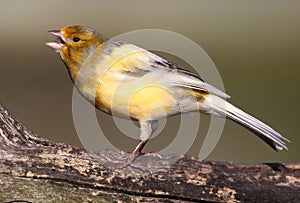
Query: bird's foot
[(143, 162)]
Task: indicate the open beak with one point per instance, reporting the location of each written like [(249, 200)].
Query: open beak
[(60, 42)]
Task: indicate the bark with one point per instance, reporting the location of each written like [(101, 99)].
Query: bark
[(33, 169)]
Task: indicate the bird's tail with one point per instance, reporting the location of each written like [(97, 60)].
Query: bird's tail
[(263, 131)]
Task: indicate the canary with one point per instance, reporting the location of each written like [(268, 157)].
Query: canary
[(122, 79)]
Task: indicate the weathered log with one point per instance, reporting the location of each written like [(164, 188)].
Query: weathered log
[(33, 169)]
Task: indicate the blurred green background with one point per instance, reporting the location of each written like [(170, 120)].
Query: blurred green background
[(254, 44)]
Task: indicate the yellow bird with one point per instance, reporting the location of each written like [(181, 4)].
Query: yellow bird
[(122, 79)]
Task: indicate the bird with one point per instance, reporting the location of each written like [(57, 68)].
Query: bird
[(123, 79)]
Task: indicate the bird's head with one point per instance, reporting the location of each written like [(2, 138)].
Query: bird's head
[(75, 43)]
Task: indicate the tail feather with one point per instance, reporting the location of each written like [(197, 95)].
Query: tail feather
[(263, 131)]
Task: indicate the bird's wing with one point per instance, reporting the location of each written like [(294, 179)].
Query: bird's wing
[(184, 78), (144, 62)]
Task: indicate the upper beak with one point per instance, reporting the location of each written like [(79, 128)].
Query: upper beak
[(60, 43)]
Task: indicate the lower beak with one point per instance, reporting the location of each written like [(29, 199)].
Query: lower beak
[(60, 43)]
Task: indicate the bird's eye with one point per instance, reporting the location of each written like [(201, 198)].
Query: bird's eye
[(76, 39)]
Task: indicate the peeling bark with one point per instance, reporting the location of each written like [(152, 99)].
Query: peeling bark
[(34, 169)]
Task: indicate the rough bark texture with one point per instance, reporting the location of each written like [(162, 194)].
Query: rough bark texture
[(33, 169)]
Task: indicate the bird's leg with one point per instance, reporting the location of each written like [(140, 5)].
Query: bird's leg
[(147, 129), (138, 149)]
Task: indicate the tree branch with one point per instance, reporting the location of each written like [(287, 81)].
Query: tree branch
[(34, 169)]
